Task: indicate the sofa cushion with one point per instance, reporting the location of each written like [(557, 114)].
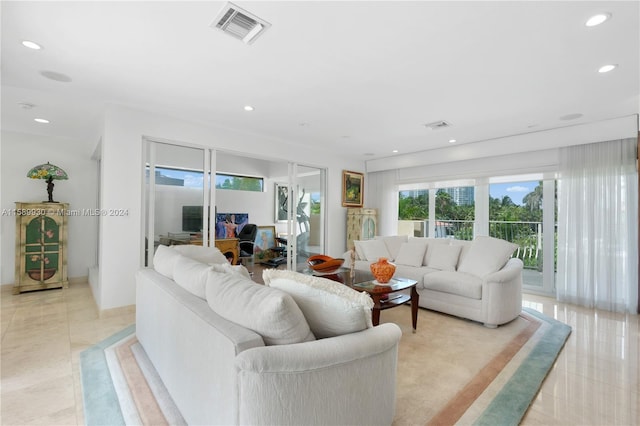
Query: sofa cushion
[(442, 256), (330, 308), (268, 311), (457, 283), (372, 250), (164, 260), (393, 243), (486, 255), (411, 254), (228, 268), (202, 254), (191, 275)]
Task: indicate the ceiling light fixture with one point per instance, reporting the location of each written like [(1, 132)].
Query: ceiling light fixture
[(31, 45), (598, 19), (607, 68), (395, 151), (248, 108), (452, 141), (41, 120)]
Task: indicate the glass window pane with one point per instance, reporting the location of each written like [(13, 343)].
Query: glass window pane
[(413, 212), (515, 214), (455, 212)]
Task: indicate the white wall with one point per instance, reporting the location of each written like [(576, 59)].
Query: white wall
[(20, 152), (124, 130)]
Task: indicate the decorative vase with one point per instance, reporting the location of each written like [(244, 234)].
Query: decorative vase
[(382, 270)]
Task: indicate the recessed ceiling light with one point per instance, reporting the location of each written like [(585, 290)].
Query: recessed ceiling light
[(452, 141), (41, 120), (607, 68), (395, 151), (248, 108), (31, 45), (597, 19)]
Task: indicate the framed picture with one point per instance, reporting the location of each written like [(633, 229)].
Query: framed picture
[(352, 188), (266, 237), (228, 225), (281, 199)]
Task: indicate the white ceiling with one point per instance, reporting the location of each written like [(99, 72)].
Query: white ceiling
[(361, 78)]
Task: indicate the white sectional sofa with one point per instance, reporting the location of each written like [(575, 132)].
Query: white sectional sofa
[(477, 280), (234, 352)]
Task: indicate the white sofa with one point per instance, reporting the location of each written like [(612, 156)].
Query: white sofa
[(477, 280), (234, 352)]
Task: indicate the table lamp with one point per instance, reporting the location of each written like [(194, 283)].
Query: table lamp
[(49, 172)]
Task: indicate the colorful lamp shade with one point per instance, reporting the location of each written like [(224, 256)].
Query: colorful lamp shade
[(49, 172)]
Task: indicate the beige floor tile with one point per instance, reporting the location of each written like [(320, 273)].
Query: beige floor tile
[(595, 381)]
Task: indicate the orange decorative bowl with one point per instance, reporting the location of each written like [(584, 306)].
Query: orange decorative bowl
[(324, 264)]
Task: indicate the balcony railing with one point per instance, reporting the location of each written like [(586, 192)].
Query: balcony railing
[(527, 235)]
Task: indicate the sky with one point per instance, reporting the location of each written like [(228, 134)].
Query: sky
[(515, 190)]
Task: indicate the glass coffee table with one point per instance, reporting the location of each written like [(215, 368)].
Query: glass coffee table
[(385, 296)]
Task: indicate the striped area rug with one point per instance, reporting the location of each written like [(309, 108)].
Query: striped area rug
[(121, 387), (451, 372)]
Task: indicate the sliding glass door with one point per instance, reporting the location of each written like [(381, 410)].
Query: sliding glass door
[(176, 196), (306, 219)]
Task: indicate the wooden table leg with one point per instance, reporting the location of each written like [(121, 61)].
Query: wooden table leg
[(415, 297), (375, 313)]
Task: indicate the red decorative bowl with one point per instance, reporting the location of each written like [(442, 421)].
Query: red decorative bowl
[(324, 264)]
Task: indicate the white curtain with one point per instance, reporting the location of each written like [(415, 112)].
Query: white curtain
[(597, 226)]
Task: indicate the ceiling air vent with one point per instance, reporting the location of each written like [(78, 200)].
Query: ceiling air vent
[(436, 125), (239, 23)]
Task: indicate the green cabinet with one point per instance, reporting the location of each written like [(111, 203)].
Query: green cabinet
[(41, 246)]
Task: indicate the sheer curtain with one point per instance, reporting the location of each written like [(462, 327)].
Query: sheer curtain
[(597, 226)]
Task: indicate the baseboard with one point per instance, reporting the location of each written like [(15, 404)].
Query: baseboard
[(114, 312), (72, 280)]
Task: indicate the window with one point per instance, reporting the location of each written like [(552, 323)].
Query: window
[(455, 212), (239, 183), (194, 179)]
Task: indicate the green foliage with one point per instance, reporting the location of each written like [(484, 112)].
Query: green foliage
[(413, 208), (241, 183)]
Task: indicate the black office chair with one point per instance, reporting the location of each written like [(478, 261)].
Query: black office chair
[(247, 237)]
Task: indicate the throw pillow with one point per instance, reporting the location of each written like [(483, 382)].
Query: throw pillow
[(373, 250), (423, 242), (330, 308), (486, 255), (269, 312), (228, 268), (202, 254), (411, 254), (443, 257), (164, 260), (393, 243), (191, 275)]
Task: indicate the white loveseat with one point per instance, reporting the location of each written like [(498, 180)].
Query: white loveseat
[(477, 280), (234, 352)]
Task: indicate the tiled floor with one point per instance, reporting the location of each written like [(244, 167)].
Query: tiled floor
[(596, 380)]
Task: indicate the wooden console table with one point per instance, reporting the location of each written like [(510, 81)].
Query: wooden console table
[(230, 247)]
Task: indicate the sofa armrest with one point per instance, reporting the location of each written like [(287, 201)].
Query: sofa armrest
[(509, 272), (502, 294), (349, 379)]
